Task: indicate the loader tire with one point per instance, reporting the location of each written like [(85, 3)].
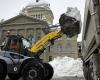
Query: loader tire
[(48, 71), (3, 73), (14, 76), (33, 71)]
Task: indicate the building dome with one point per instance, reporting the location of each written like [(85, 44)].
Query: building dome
[(40, 10)]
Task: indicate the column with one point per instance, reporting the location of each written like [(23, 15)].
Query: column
[(0, 36), (25, 32)]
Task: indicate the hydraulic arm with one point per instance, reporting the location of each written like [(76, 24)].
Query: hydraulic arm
[(46, 40)]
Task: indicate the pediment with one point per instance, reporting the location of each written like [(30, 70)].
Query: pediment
[(21, 19)]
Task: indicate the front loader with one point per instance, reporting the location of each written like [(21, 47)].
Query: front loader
[(15, 59)]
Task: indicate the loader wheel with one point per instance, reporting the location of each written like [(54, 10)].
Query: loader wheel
[(48, 71), (14, 76), (32, 71), (2, 72)]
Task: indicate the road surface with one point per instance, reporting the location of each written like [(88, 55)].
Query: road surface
[(65, 78)]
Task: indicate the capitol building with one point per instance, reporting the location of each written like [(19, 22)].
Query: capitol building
[(31, 21)]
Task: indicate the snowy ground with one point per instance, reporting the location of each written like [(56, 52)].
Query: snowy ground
[(69, 78), (66, 66)]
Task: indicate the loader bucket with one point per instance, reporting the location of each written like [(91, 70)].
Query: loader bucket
[(69, 25)]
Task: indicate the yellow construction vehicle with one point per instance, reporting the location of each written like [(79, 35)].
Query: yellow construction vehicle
[(32, 68)]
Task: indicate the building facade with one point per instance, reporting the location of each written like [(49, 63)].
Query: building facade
[(23, 25), (65, 46)]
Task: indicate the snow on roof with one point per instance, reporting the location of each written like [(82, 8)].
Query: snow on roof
[(41, 3)]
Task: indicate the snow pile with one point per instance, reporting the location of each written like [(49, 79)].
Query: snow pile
[(26, 43), (66, 66), (74, 12)]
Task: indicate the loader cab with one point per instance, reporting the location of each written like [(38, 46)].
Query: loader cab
[(17, 43), (13, 43)]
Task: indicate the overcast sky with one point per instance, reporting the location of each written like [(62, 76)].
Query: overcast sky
[(10, 8)]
